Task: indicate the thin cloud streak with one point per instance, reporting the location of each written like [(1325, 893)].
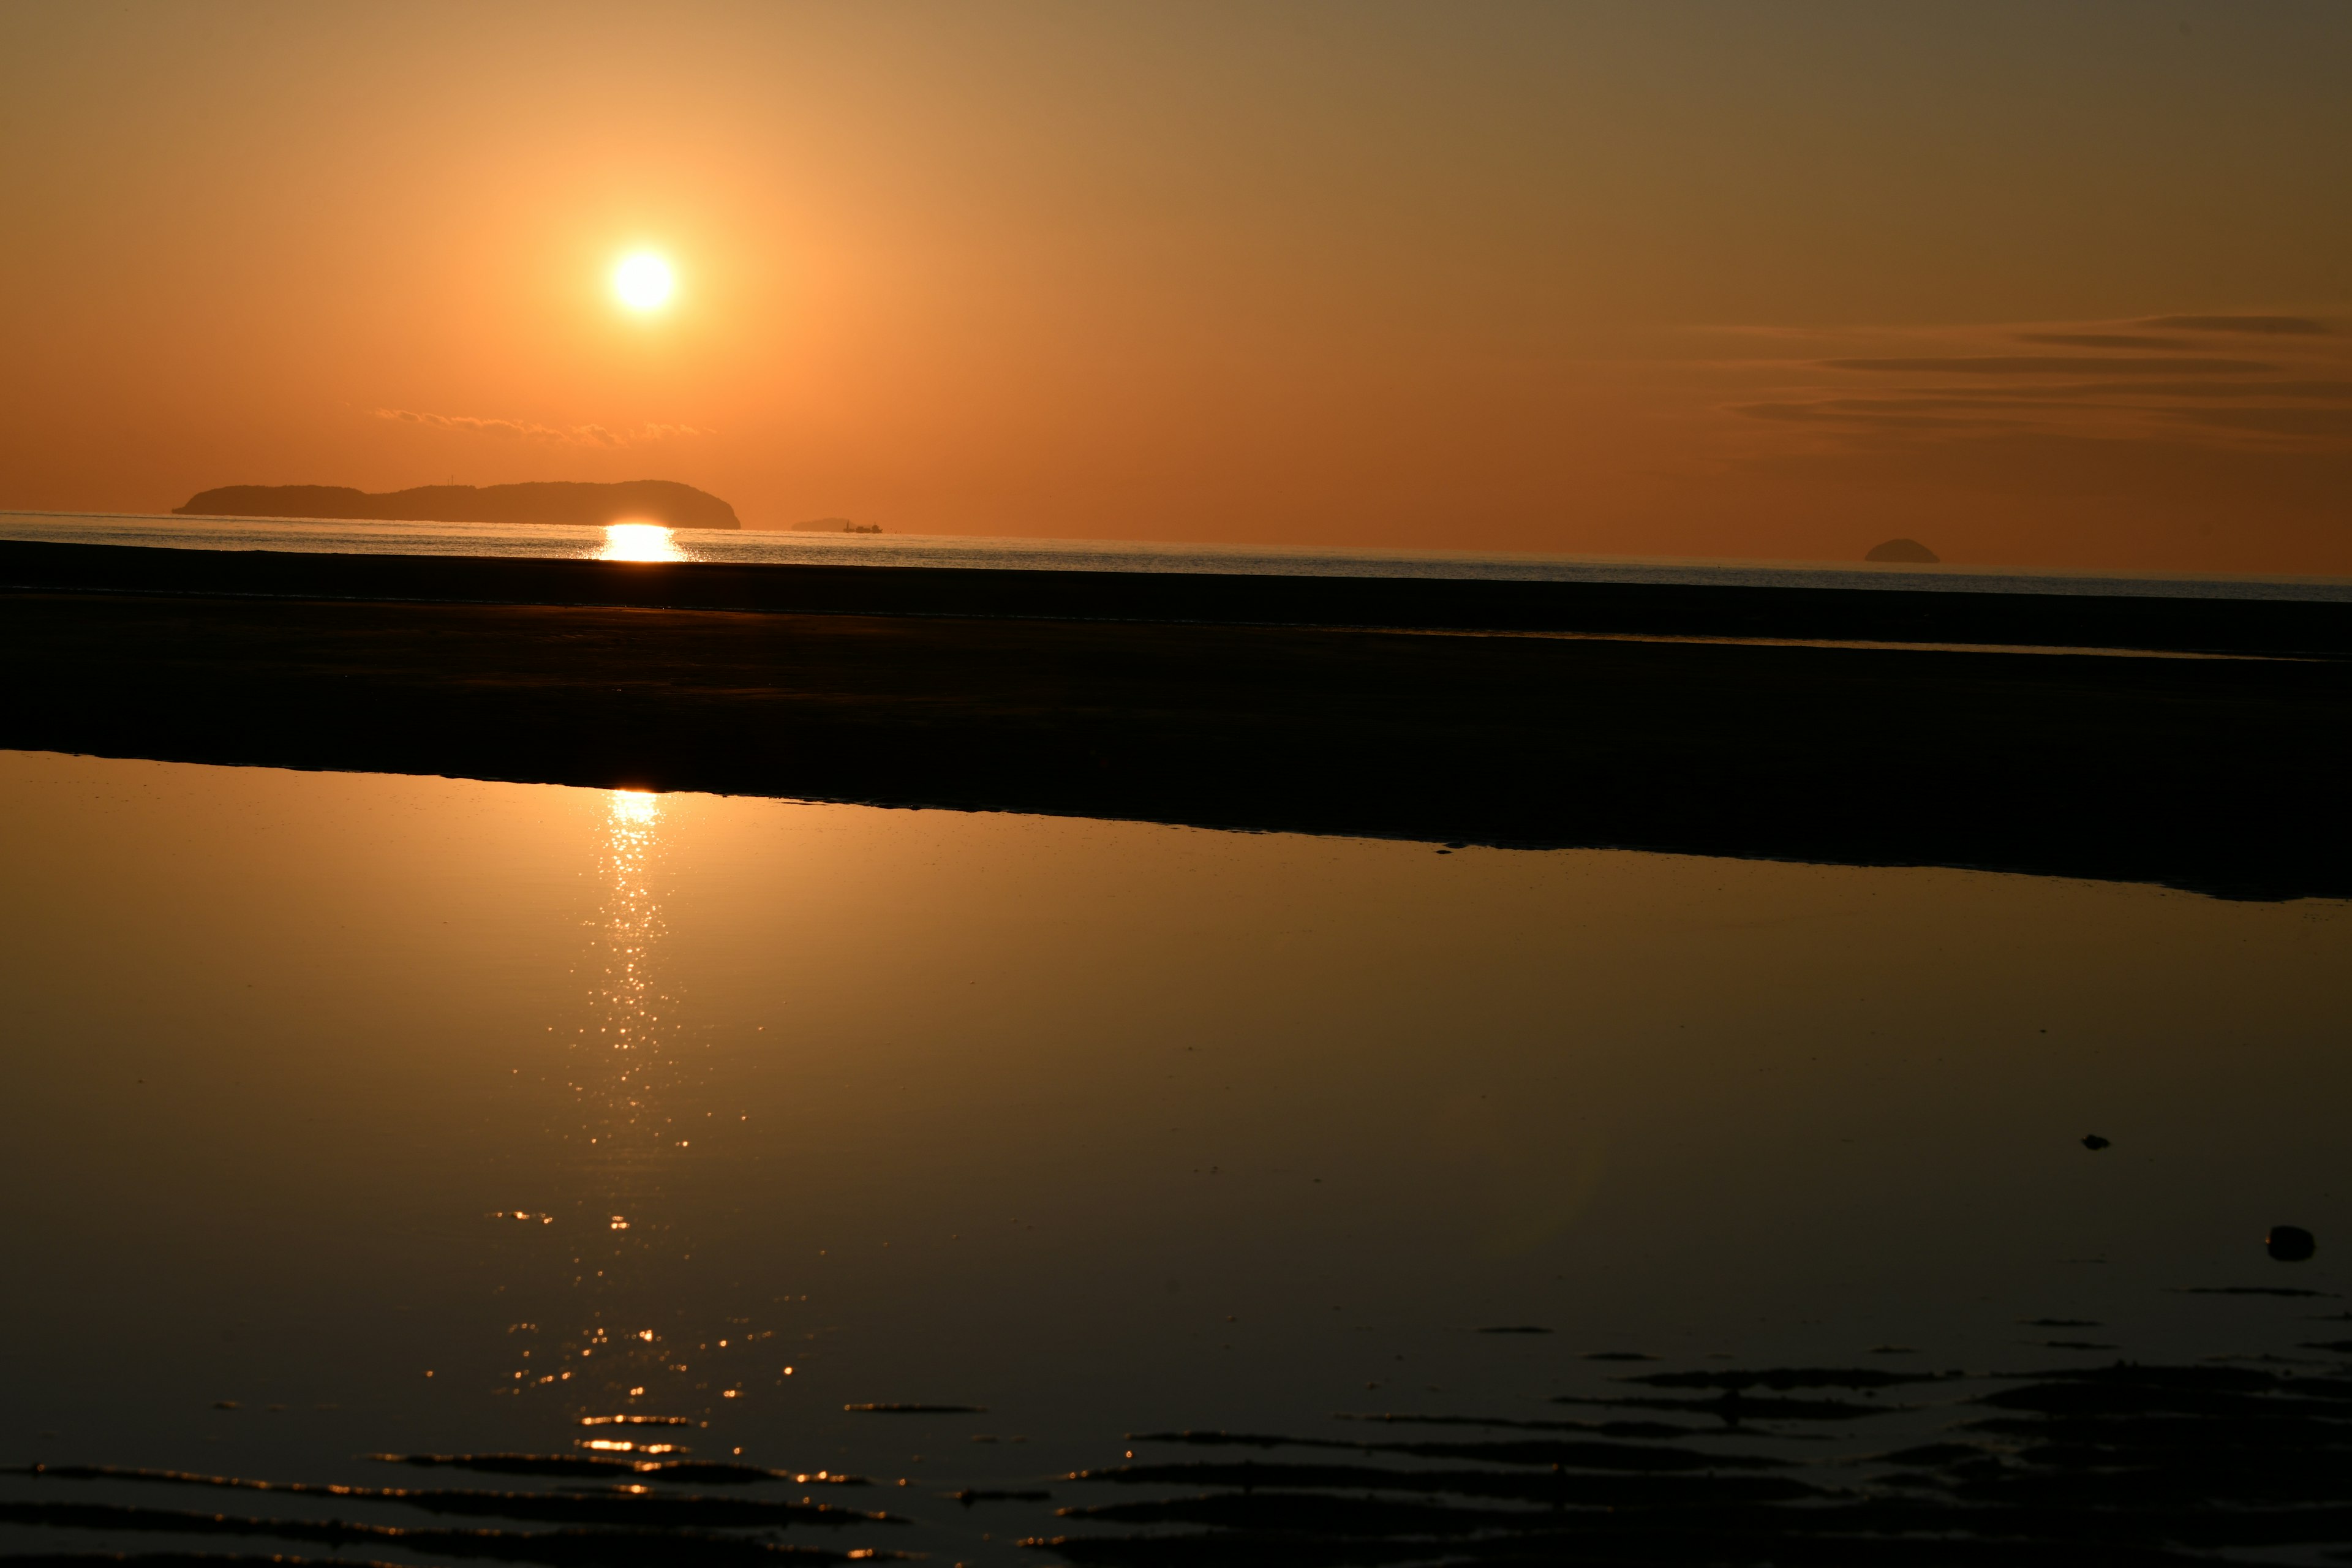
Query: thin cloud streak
[(2099, 340), (1849, 411), (2272, 421), (2287, 326), (522, 430), (2057, 365), (2050, 395), (1923, 390)]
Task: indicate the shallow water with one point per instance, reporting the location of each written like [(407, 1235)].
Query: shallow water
[(356, 1115), (646, 542)]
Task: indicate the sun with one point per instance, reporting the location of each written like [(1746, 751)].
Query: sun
[(643, 281)]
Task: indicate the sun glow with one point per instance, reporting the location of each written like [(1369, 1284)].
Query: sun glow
[(644, 281), (639, 541)]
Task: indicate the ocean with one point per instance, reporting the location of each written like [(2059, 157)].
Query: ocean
[(335, 537)]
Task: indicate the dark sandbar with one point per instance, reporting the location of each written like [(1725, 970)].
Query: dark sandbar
[(971, 689)]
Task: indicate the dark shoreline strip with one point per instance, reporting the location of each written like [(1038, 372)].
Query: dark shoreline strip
[(639, 1510), (554, 1547), (2222, 777), (2128, 1463), (182, 1560), (2275, 627)]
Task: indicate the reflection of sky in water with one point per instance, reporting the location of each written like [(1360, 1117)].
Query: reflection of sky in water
[(1105, 1128)]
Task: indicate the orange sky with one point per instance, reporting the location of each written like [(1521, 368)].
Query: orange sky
[(1765, 279)]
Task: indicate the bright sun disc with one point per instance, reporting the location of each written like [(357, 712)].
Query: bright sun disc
[(643, 282)]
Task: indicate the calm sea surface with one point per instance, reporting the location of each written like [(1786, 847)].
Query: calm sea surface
[(640, 542), (351, 1115)]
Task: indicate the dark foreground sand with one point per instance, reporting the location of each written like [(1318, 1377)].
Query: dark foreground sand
[(2225, 775), (1976, 616)]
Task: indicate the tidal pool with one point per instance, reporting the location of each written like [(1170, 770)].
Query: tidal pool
[(954, 1153)]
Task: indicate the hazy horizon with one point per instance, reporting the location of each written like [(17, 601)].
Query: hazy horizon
[(2033, 286)]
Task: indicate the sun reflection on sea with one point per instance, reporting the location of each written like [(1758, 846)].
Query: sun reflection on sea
[(639, 541), (625, 1073), (632, 922), (617, 1331)]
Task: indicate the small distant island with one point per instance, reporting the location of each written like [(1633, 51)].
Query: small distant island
[(631, 500)]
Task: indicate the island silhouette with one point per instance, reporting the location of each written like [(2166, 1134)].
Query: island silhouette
[(563, 501)]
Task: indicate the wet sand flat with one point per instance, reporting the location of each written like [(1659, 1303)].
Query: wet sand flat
[(456, 1171)]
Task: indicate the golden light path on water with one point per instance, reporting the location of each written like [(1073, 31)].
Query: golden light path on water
[(639, 541), (632, 922), (622, 1256)]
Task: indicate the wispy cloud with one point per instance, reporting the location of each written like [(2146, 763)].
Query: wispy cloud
[(2274, 421), (524, 430), (2101, 340), (2059, 364), (2140, 385), (1893, 413), (2048, 393), (2281, 326)]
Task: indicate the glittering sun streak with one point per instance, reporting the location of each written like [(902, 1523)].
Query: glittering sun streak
[(644, 281), (636, 805), (639, 541)]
